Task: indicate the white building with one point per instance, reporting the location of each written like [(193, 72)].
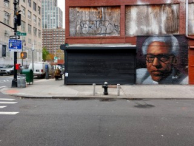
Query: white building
[(31, 25), (52, 16)]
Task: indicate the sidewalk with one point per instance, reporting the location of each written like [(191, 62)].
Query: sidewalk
[(56, 89)]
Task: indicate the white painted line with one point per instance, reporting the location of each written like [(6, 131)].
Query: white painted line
[(7, 99), (8, 102), (2, 87), (3, 106), (8, 113)]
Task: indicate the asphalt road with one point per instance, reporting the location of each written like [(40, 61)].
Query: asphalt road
[(5, 81), (54, 122)]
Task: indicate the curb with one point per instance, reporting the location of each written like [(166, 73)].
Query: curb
[(94, 97)]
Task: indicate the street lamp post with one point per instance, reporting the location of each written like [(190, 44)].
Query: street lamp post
[(33, 57)]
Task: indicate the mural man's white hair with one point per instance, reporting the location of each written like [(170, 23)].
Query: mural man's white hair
[(170, 40)]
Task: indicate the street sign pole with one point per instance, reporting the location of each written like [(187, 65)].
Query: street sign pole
[(14, 81)]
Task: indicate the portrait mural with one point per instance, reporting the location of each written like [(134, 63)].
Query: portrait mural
[(162, 60)]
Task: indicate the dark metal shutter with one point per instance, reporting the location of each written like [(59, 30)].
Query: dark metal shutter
[(112, 65)]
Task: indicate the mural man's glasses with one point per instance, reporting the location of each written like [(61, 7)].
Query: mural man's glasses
[(165, 58)]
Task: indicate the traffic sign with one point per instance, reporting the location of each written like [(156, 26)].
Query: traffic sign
[(21, 33), (15, 45)]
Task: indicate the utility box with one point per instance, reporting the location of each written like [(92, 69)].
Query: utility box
[(29, 75)]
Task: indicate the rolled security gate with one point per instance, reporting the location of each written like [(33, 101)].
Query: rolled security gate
[(87, 65)]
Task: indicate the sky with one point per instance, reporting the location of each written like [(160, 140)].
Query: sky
[(61, 4)]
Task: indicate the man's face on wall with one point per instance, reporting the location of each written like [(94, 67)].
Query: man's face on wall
[(159, 61)]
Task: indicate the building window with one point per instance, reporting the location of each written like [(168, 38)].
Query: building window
[(39, 21), (35, 31), (23, 9), (34, 18), (29, 15), (23, 24), (29, 3), (6, 18), (39, 12), (3, 50), (29, 41), (6, 3), (39, 33), (29, 29), (24, 1), (34, 6)]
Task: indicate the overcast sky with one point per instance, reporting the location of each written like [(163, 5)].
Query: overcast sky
[(61, 4)]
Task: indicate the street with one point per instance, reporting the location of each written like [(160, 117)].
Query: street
[(55, 122), (5, 81)]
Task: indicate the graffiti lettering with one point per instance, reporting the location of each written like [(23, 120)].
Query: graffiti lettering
[(98, 27)]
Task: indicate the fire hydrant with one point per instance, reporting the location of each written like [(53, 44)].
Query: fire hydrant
[(105, 86)]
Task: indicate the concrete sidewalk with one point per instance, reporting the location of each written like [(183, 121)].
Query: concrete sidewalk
[(56, 89)]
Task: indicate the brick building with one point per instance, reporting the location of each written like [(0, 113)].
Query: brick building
[(52, 39), (105, 41)]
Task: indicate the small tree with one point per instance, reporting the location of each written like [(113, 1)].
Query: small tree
[(45, 53), (60, 54), (50, 57)]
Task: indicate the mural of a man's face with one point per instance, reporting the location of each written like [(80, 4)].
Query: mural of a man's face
[(159, 60)]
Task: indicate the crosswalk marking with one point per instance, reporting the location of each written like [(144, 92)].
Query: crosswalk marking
[(2, 87), (7, 99), (3, 106), (8, 113), (8, 102)]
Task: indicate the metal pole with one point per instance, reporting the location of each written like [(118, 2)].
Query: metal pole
[(22, 51), (33, 57), (94, 88), (14, 81), (118, 89)]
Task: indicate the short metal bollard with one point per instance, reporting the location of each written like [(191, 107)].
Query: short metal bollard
[(105, 86), (118, 89), (94, 89)]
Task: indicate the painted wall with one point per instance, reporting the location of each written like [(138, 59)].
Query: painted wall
[(137, 18), (152, 19), (162, 60), (95, 21)]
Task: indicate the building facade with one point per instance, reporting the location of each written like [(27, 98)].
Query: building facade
[(52, 16), (31, 19), (129, 42), (52, 39)]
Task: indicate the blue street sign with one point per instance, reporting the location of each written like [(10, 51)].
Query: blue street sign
[(15, 45)]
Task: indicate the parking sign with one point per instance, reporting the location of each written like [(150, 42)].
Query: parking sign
[(15, 45)]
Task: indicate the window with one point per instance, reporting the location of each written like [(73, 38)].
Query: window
[(29, 28), (39, 33), (39, 21), (35, 31), (29, 3), (34, 6), (39, 10), (6, 3), (29, 41), (6, 18), (3, 50), (24, 1), (23, 9), (23, 24), (34, 18), (29, 15)]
